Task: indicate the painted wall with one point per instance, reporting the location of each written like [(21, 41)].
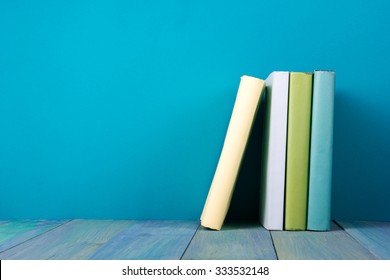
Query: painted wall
[(118, 109)]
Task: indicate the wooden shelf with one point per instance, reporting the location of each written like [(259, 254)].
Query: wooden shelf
[(150, 239)]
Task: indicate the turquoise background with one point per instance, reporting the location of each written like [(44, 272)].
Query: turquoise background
[(118, 109)]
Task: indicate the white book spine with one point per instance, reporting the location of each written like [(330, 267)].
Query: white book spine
[(274, 151)]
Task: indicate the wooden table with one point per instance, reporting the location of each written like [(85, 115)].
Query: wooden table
[(150, 239)]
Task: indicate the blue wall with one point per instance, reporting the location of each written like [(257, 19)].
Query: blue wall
[(118, 109)]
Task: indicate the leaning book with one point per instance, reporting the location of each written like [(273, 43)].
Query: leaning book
[(221, 190)]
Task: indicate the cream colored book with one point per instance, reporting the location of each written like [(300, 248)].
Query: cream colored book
[(241, 121)]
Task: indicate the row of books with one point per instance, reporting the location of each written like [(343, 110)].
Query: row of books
[(295, 189)]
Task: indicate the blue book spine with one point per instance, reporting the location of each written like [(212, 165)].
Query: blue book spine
[(320, 178)]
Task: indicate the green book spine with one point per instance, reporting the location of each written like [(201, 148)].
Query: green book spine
[(298, 149)]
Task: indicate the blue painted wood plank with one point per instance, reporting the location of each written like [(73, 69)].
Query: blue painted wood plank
[(335, 244), (13, 233), (245, 241), (151, 240), (77, 239), (375, 236)]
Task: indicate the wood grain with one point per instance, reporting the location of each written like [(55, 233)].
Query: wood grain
[(13, 233), (335, 244), (234, 241), (375, 236), (149, 240), (96, 239), (77, 239)]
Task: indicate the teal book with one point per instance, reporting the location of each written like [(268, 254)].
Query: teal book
[(320, 178)]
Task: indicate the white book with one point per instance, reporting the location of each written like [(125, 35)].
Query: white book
[(274, 151), (240, 125)]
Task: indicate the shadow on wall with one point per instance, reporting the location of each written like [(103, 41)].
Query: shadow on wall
[(245, 200), (361, 179), (361, 184)]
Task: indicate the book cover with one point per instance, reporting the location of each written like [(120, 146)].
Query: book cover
[(274, 151), (298, 147), (320, 179), (244, 112)]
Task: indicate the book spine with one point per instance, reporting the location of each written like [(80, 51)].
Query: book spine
[(274, 152), (298, 147), (241, 121), (320, 180)]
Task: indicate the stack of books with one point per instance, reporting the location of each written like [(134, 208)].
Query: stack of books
[(296, 165)]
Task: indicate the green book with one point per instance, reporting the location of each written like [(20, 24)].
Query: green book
[(298, 149)]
